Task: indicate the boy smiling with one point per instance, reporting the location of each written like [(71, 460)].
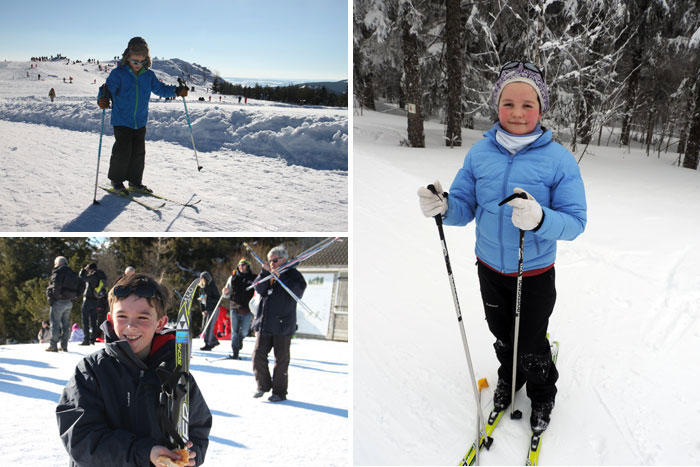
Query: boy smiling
[(109, 412)]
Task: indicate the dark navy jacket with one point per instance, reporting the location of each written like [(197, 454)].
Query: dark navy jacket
[(107, 414), (277, 313)]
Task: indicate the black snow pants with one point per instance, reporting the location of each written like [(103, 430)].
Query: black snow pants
[(128, 155), (539, 294)]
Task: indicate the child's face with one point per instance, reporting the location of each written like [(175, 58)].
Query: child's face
[(518, 109), (136, 322), (137, 58)]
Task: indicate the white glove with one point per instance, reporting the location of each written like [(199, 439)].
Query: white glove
[(430, 203), (527, 213)]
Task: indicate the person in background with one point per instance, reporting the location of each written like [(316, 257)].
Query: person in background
[(44, 335), (236, 290), (77, 334), (93, 297), (275, 323), (208, 299), (64, 286)]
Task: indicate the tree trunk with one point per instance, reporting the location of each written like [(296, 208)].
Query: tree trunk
[(453, 38), (692, 147), (412, 83), (630, 102)]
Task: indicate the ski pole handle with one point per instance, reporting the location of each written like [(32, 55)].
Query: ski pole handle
[(512, 197), (437, 217)]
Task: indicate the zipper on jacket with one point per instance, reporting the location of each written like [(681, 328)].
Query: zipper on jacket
[(136, 107), (500, 220)]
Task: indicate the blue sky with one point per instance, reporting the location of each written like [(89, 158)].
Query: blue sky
[(291, 39)]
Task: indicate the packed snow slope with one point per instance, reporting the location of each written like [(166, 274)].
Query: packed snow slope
[(627, 314), (266, 166), (310, 428)]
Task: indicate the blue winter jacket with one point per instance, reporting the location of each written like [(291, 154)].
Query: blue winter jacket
[(547, 171), (130, 95)]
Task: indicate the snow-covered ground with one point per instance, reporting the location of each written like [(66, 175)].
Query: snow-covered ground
[(311, 428), (627, 314), (266, 166)]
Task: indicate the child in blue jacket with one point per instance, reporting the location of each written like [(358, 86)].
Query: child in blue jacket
[(129, 86), (517, 155)]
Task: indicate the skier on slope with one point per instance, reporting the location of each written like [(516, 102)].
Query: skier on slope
[(129, 86), (517, 155)]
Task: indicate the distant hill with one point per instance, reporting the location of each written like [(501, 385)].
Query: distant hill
[(192, 73), (337, 87)]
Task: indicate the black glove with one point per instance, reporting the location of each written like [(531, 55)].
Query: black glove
[(181, 91)]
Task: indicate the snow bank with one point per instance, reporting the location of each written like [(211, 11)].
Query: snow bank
[(309, 136), (297, 135)]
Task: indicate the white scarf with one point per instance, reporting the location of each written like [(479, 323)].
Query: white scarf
[(514, 143)]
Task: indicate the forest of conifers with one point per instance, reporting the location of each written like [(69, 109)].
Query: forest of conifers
[(617, 70)]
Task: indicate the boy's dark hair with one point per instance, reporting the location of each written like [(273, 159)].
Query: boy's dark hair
[(137, 283)]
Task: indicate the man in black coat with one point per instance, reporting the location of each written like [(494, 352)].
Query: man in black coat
[(237, 290), (93, 298), (275, 323), (64, 287), (209, 298)]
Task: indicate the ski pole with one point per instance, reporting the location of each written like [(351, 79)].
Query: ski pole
[(481, 431), (199, 167), (215, 311), (307, 310), (516, 414), (322, 245), (99, 152)]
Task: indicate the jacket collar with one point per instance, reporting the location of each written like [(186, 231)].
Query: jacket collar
[(162, 348), (544, 138)]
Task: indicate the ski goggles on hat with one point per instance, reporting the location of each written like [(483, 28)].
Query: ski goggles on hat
[(526, 65), (136, 62), (143, 288)]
